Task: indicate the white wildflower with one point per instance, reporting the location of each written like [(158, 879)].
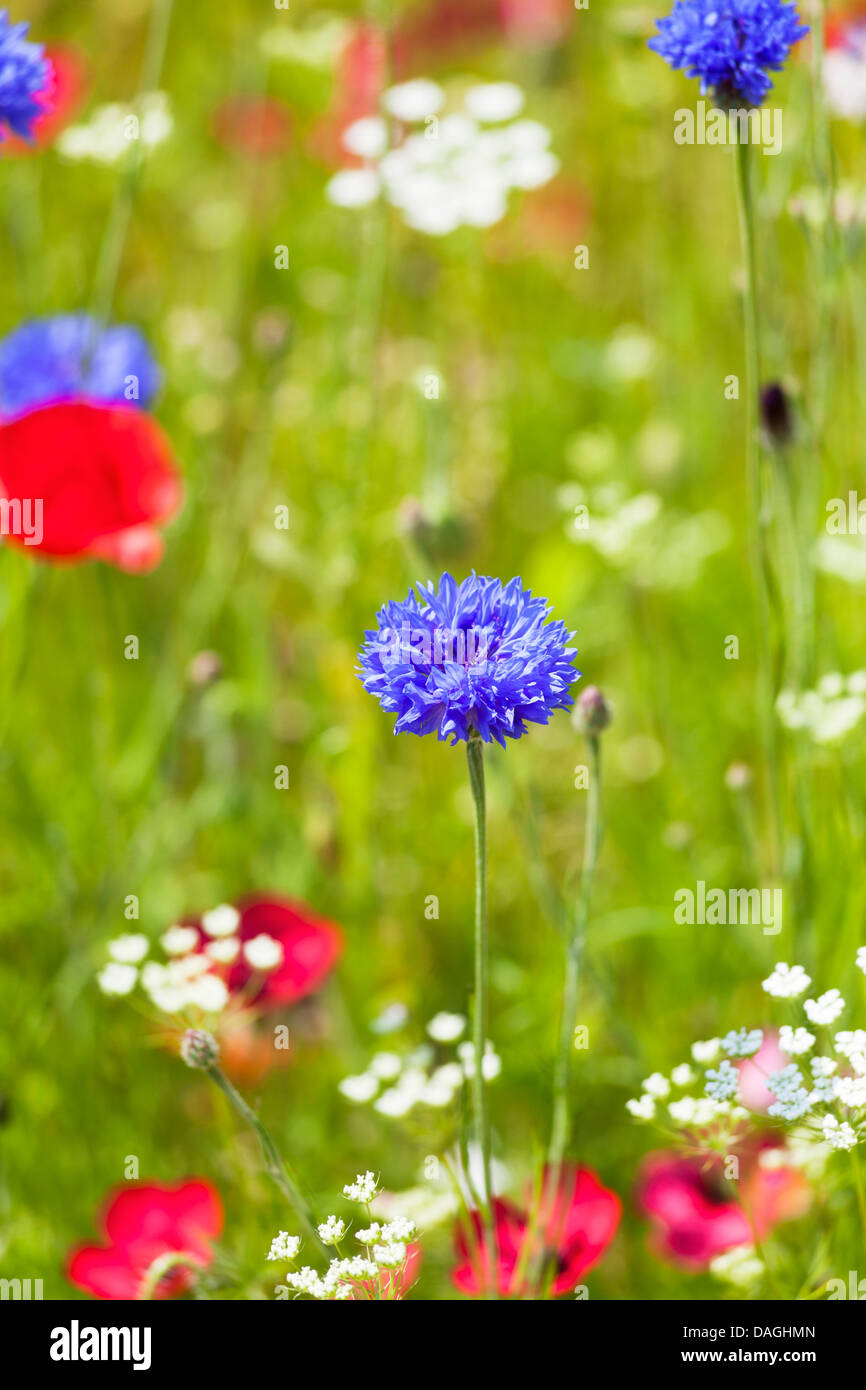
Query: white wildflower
[(117, 979), (129, 949), (786, 981), (221, 921), (263, 952), (826, 1008)]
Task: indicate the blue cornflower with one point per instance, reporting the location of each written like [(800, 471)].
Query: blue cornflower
[(729, 44), (24, 74), (474, 658), (67, 358)]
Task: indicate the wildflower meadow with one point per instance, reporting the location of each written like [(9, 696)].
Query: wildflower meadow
[(432, 569)]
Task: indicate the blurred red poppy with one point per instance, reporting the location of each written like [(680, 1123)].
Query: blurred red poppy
[(575, 1222), (101, 478), (143, 1223), (311, 948), (62, 98), (360, 78), (694, 1215), (255, 126)]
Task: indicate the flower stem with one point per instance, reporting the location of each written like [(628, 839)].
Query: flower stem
[(163, 1265), (475, 760), (757, 514), (593, 830), (111, 251), (275, 1165)]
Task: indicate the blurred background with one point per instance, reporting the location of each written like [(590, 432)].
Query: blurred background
[(304, 387)]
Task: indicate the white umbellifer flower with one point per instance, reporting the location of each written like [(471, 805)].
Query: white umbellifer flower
[(742, 1042), (450, 1074), (739, 1266), (208, 993), (861, 959), (369, 1234), (851, 1091), (367, 137), (826, 1008), (795, 1041), (455, 173), (390, 1019), (116, 978), (284, 1246), (386, 1066), (838, 1136), (494, 101), (395, 1103), (683, 1075), (221, 921), (683, 1111), (332, 1230), (358, 1088), (415, 100), (706, 1051), (223, 951), (643, 1108), (491, 1065), (113, 129), (177, 941), (353, 188), (446, 1028), (844, 74), (363, 1189), (400, 1229), (850, 1040), (129, 949), (263, 952), (786, 981), (389, 1256), (656, 1085)]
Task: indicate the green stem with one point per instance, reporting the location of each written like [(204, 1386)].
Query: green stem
[(275, 1165), (757, 514), (593, 830), (163, 1265), (111, 251), (475, 760)]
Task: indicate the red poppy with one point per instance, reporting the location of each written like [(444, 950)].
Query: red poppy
[(62, 98), (142, 1223), (572, 1227), (361, 76), (311, 948), (694, 1215), (256, 126), (104, 476)]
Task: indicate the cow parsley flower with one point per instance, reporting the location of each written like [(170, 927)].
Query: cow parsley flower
[(363, 1189), (129, 949), (642, 1107), (117, 979), (795, 1041), (723, 1083), (786, 981), (826, 1008), (731, 45), (656, 1085), (742, 1042), (284, 1247), (861, 959), (458, 171), (332, 1230), (838, 1136), (24, 77), (477, 658)]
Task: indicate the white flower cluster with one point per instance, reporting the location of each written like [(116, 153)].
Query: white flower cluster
[(830, 1099), (830, 711), (193, 976), (458, 170), (397, 1083), (112, 129), (386, 1248)]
